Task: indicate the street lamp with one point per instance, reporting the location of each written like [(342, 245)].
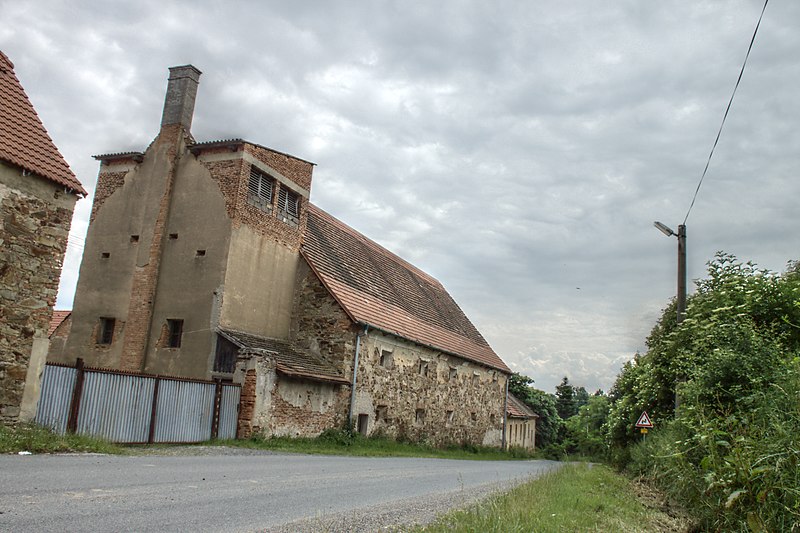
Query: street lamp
[(681, 235)]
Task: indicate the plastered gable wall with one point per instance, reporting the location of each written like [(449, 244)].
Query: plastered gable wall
[(405, 401), (127, 207), (123, 228), (35, 217), (191, 275)]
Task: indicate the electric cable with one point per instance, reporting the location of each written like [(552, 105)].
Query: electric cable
[(725, 116)]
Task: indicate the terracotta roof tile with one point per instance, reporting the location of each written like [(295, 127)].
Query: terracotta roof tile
[(56, 320), (289, 359), (516, 408), (24, 142), (376, 287)]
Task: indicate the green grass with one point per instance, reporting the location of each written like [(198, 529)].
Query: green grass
[(36, 439), (343, 442), (577, 497)]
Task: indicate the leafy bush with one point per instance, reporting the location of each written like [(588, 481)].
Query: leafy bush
[(730, 451)]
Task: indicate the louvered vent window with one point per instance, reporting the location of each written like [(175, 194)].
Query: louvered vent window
[(289, 206), (260, 190)]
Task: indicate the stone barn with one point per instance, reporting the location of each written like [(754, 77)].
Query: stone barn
[(38, 192), (207, 260)]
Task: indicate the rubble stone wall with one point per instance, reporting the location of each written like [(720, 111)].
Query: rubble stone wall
[(35, 217), (272, 404), (421, 394)]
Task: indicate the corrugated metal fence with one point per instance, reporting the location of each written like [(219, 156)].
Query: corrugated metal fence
[(136, 408)]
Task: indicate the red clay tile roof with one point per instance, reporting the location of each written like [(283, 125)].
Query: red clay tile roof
[(516, 408), (378, 288), (23, 140), (289, 360), (56, 320)]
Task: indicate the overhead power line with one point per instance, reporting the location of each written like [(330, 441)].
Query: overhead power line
[(727, 109)]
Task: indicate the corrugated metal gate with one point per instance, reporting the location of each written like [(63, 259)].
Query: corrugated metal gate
[(136, 408)]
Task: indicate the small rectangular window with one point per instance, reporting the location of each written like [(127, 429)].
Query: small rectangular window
[(381, 412), (289, 205), (200, 253), (450, 416), (473, 416), (419, 416), (174, 332), (105, 334), (134, 238), (386, 359), (476, 378), (452, 374), (423, 367), (105, 255), (173, 236), (259, 189)]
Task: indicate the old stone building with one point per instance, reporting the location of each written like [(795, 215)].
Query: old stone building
[(206, 260), (38, 192), (521, 424)]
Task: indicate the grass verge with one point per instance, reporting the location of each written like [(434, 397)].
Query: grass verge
[(35, 439), (343, 442), (577, 497)]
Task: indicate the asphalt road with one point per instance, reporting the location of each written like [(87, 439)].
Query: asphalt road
[(228, 492)]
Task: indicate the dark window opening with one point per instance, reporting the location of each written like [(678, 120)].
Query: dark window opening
[(381, 412), (175, 332), (419, 416), (449, 418), (105, 255), (106, 333), (474, 416), (134, 238), (173, 236), (289, 205), (225, 357), (259, 190), (452, 374), (363, 423), (386, 359), (200, 253), (423, 367)]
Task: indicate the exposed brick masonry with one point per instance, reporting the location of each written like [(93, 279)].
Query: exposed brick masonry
[(145, 278), (108, 181)]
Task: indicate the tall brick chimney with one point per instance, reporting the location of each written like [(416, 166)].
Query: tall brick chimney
[(181, 93)]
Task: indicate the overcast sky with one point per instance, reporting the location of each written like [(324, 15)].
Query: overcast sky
[(517, 151)]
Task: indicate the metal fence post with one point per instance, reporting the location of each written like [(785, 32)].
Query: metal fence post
[(217, 405), (153, 408), (77, 393)]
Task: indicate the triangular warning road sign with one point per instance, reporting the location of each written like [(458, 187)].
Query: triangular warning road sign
[(644, 421)]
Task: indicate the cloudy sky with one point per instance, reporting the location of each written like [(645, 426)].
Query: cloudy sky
[(518, 151)]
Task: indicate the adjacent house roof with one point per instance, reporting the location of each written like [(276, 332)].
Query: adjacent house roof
[(56, 320), (23, 140), (289, 360), (516, 408), (378, 288)]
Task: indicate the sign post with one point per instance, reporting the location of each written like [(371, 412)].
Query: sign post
[(644, 423)]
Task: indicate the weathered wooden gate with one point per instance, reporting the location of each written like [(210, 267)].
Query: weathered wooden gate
[(136, 408)]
